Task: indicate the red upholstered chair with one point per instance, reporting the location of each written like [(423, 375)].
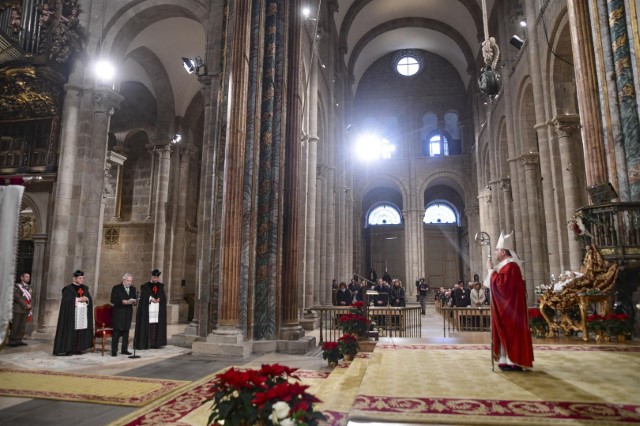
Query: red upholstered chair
[(103, 328)]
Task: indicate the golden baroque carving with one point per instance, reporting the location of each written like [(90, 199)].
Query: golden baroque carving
[(27, 227), (26, 94)]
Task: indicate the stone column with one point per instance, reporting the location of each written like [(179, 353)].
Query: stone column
[(538, 275), (163, 152), (566, 127), (106, 101), (179, 232), (587, 92), (117, 160), (323, 274), (311, 294), (291, 329), (476, 260), (37, 274), (507, 206)]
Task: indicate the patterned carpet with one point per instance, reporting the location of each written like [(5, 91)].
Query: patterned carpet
[(112, 390), (453, 384), (191, 405)]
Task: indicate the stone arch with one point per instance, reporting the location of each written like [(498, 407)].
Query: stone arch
[(357, 6), (386, 180), (454, 180), (562, 81), (526, 137), (129, 20), (161, 87), (425, 23)]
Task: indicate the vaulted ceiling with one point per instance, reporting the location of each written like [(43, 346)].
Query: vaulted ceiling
[(370, 29)]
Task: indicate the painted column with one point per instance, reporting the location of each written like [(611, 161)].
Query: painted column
[(233, 175), (627, 100), (587, 92), (566, 127), (291, 329)]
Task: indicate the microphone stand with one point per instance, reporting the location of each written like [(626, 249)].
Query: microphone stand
[(135, 336)]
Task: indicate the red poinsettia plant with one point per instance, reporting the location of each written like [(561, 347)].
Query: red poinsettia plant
[(354, 324), (271, 395), (331, 352), (617, 324), (348, 344), (595, 322)]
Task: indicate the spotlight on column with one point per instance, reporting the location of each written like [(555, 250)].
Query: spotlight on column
[(104, 71), (306, 11), (516, 42), (176, 138), (194, 65)]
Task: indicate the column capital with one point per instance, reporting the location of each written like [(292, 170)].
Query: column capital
[(505, 184), (530, 160), (473, 211), (106, 100), (566, 125)]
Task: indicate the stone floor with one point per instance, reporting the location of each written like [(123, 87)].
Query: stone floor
[(167, 363)]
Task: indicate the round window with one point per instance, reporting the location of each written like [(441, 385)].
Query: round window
[(408, 65)]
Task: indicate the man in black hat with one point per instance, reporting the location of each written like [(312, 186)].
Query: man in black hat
[(74, 332), (123, 298), (151, 321)]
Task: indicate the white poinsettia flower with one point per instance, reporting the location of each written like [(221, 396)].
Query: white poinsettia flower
[(287, 422), (281, 409)]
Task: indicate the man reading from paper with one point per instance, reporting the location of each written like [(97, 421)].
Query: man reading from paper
[(74, 332), (151, 320), (510, 325)]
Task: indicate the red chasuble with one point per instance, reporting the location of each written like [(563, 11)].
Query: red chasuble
[(509, 315)]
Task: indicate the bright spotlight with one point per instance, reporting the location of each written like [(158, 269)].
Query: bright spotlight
[(176, 138), (371, 147), (194, 65), (523, 23), (306, 12), (104, 70)]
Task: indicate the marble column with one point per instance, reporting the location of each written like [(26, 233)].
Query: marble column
[(587, 92), (291, 329), (566, 127)]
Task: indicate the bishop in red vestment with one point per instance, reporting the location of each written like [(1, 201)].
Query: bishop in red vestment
[(512, 347)]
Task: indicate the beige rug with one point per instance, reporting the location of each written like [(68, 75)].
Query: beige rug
[(112, 390), (454, 384)]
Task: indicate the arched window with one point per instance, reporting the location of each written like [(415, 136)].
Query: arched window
[(435, 144), (440, 212), (384, 214)]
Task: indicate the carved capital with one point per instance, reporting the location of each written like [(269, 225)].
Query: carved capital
[(106, 100), (505, 185), (530, 160), (566, 125)]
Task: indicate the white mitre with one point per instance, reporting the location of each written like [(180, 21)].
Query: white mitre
[(507, 242)]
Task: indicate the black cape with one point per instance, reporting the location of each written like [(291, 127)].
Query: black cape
[(142, 338), (65, 341)]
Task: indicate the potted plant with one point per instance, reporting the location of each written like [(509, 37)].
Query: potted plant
[(595, 323), (617, 325), (355, 324), (537, 324), (331, 352), (268, 396), (348, 345)]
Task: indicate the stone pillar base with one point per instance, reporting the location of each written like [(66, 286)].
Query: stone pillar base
[(177, 311), (298, 347), (311, 321), (186, 338), (223, 342), (291, 333)]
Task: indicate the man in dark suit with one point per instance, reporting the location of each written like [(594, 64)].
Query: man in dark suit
[(123, 298)]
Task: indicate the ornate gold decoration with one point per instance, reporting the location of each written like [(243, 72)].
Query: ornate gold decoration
[(26, 94), (111, 236), (27, 226)]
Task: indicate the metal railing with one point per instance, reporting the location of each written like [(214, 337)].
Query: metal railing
[(388, 321), (465, 319), (615, 229)]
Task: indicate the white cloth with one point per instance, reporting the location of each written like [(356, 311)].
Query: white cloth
[(81, 315), (10, 200), (154, 311)]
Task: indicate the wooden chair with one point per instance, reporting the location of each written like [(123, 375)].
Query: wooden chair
[(103, 328)]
